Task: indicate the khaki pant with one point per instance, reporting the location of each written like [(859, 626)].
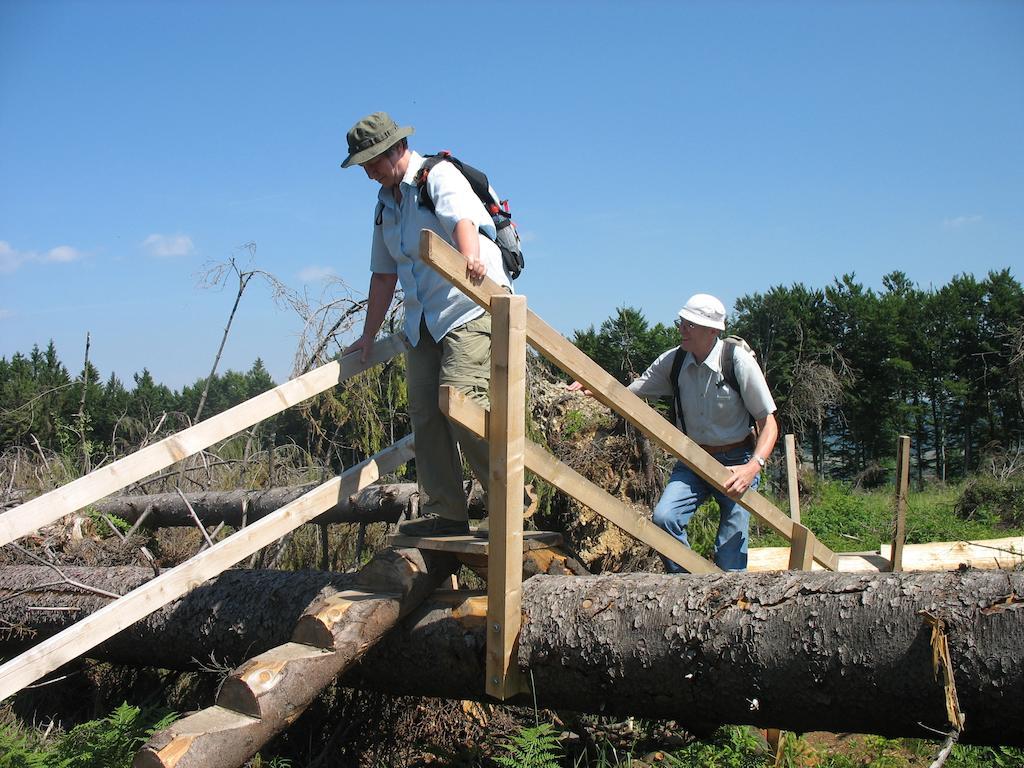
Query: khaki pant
[(462, 359)]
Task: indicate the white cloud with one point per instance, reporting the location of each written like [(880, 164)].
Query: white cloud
[(5, 313), (168, 245), (959, 222), (62, 254), (312, 274), (11, 259)]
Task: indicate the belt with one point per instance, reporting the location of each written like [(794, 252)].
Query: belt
[(746, 442)]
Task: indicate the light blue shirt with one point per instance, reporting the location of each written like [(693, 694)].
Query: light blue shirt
[(396, 247), (715, 413)]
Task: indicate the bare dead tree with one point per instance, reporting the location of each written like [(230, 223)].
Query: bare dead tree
[(216, 275), (81, 408), (329, 319), (1016, 345)]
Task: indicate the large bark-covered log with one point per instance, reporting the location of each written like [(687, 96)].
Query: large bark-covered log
[(801, 651), (385, 502)]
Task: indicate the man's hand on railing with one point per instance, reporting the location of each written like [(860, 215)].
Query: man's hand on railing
[(364, 345), (576, 387)]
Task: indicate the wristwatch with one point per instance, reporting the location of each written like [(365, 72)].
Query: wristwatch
[(760, 461)]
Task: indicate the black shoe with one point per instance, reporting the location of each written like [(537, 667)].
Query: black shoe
[(434, 525)]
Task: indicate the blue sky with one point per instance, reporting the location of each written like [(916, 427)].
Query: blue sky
[(650, 150)]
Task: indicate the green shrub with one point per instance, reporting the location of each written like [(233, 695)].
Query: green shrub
[(990, 496)]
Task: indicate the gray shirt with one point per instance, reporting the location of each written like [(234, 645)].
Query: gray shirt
[(715, 413)]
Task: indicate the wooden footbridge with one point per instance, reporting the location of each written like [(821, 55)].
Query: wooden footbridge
[(264, 695)]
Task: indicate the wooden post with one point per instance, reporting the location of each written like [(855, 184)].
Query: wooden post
[(792, 479), (801, 548), (507, 442), (902, 483)]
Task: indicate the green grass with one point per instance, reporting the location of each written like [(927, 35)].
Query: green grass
[(849, 520)]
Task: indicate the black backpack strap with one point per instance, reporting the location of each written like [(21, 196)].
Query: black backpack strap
[(421, 180), (423, 197), (673, 377)]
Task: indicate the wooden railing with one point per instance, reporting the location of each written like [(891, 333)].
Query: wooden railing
[(510, 452), (24, 669), (609, 391)]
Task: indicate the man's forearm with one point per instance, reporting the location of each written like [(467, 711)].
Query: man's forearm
[(466, 239), (382, 290), (768, 433)]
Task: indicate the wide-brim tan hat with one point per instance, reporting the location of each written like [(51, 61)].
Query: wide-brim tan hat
[(372, 136)]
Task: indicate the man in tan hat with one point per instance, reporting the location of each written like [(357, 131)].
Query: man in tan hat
[(449, 335)]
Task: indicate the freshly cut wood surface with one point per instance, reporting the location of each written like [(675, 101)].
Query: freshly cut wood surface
[(936, 556)]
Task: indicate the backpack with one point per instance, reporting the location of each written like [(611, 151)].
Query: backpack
[(727, 363), (506, 236)]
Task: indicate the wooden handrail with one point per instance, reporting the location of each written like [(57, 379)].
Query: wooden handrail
[(559, 350), (170, 585), (42, 510)]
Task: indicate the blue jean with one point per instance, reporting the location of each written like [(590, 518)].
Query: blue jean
[(686, 491)]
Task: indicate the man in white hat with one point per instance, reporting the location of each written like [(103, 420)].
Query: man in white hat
[(449, 335), (715, 410)]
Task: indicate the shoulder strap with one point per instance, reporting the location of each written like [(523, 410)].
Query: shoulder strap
[(727, 362), (673, 376), (421, 180), (728, 365), (378, 215)]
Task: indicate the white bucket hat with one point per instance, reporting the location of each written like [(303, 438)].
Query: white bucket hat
[(705, 310)]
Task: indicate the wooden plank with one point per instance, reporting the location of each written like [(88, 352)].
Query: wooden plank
[(609, 391), (473, 544), (42, 510), (1005, 553), (899, 534), (792, 479), (801, 548), (470, 415), (507, 422), (170, 585)]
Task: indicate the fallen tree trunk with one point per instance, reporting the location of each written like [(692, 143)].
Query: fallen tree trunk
[(800, 651), (386, 502)]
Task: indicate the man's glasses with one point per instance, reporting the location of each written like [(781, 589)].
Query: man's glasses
[(680, 324)]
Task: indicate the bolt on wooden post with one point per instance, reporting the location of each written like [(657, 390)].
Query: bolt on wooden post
[(507, 441)]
